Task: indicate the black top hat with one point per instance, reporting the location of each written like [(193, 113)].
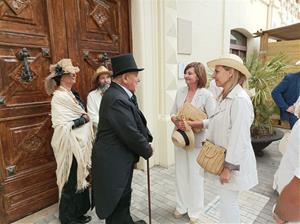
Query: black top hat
[(124, 63)]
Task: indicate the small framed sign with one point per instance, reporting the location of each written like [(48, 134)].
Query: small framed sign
[(181, 67)]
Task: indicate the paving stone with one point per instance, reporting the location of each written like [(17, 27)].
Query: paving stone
[(163, 197)]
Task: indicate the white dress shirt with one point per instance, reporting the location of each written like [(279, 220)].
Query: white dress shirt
[(93, 105)]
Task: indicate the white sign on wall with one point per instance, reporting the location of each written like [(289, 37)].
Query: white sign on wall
[(184, 36)]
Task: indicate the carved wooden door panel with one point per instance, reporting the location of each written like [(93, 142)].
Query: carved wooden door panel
[(27, 177), (82, 30), (96, 28)]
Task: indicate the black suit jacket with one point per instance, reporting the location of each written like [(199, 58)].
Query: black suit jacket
[(122, 138)]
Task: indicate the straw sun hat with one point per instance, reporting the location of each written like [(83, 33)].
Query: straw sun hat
[(230, 60), (184, 139), (64, 66), (100, 71)]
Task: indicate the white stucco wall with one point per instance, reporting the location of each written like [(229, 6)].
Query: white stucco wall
[(154, 35)]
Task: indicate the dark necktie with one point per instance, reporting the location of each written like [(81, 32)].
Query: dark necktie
[(134, 100)]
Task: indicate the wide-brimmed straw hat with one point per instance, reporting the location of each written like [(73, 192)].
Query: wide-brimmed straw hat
[(184, 139), (100, 71), (230, 60), (64, 66)]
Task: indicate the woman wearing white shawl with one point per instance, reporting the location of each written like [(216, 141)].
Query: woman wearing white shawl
[(71, 143)]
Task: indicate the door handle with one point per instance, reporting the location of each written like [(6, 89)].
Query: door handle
[(2, 100), (103, 59), (26, 76)]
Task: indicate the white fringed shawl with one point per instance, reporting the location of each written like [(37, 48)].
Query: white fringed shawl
[(67, 142)]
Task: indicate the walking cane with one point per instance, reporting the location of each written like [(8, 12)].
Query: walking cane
[(149, 196)]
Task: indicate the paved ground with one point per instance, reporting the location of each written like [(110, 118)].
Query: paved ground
[(255, 205)]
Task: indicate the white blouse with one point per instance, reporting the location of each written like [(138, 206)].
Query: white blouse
[(93, 105), (290, 162), (229, 127), (203, 100)]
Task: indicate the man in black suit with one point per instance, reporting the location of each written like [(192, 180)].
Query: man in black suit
[(122, 138)]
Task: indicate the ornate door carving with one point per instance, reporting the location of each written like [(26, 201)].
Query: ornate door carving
[(27, 164), (97, 27), (48, 30)]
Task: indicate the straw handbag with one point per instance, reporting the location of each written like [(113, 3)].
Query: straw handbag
[(191, 113), (211, 158)]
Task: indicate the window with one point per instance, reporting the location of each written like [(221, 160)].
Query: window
[(238, 44)]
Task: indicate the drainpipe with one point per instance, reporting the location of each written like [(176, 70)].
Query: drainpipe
[(223, 28), (270, 14)]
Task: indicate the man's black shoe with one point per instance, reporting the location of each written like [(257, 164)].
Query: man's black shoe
[(84, 219), (140, 222)]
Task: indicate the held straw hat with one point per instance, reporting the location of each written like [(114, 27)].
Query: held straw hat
[(184, 139)]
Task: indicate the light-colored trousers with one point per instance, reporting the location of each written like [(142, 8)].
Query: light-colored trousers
[(189, 183), (230, 209)]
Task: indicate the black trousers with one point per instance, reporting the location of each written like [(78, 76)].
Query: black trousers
[(121, 214), (73, 204)]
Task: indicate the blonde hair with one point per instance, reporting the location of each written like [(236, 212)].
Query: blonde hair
[(237, 78), (200, 73)]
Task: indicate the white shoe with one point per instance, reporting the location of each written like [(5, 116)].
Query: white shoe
[(194, 221), (178, 215)]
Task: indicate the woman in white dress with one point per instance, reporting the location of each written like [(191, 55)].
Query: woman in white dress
[(229, 127), (189, 175), (101, 82)]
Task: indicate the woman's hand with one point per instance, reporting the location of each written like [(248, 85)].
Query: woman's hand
[(178, 123), (225, 175), (195, 124)]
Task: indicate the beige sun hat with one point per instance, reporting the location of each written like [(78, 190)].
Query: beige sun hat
[(230, 60), (100, 71), (64, 66), (297, 63), (184, 139)]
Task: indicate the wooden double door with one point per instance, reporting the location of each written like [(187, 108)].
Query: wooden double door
[(33, 35)]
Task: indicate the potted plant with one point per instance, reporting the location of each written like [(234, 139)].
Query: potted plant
[(264, 77)]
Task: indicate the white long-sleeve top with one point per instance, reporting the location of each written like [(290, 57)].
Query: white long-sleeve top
[(290, 162), (229, 127), (93, 105), (203, 100)]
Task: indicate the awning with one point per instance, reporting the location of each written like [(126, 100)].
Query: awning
[(290, 32)]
